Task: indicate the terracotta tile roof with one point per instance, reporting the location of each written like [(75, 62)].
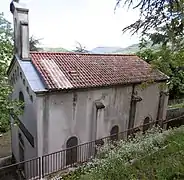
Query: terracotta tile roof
[(74, 70)]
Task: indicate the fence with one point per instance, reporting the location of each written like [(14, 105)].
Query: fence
[(30, 169), (77, 155), (71, 157)]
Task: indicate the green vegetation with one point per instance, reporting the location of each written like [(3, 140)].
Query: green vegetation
[(169, 62), (155, 155), (161, 23), (59, 49), (6, 53), (135, 48), (180, 105), (156, 14), (34, 43)]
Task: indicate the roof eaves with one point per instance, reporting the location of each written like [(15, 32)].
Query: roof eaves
[(54, 90)]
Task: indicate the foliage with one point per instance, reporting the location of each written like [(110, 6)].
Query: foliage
[(162, 23), (34, 43), (6, 53), (59, 49), (147, 156), (181, 105), (170, 63), (80, 48), (156, 13)]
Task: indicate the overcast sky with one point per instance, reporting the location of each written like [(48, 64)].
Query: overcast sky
[(91, 22)]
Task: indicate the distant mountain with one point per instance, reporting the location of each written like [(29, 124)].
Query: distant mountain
[(134, 48), (111, 50), (59, 49), (128, 50), (105, 49)]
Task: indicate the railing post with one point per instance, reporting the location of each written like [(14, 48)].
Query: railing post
[(41, 168)]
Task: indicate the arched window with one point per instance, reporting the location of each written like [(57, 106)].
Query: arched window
[(21, 75), (15, 74), (21, 99), (24, 82), (114, 133), (71, 153), (27, 88), (146, 125)]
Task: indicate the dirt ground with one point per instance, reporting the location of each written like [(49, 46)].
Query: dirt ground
[(5, 144)]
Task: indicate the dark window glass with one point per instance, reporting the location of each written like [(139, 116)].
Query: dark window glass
[(21, 99), (71, 153), (146, 125), (114, 133)]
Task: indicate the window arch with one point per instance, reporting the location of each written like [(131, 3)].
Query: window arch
[(71, 153), (114, 133), (27, 89), (145, 124), (24, 82), (21, 75), (15, 74), (21, 99)]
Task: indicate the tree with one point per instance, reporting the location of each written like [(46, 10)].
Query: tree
[(169, 63), (162, 23), (33, 44), (80, 48), (6, 53), (156, 13)]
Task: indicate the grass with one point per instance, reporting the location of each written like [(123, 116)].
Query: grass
[(180, 105), (155, 156)]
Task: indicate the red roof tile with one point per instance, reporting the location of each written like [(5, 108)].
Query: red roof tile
[(73, 70)]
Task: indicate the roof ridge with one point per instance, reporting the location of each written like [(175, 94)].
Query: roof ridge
[(92, 54)]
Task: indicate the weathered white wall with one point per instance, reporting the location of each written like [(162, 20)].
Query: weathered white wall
[(66, 119), (148, 107), (28, 117)]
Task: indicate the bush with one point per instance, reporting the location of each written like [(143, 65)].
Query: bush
[(154, 155)]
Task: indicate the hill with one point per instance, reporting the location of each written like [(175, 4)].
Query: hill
[(58, 49), (104, 49), (134, 48), (128, 50)]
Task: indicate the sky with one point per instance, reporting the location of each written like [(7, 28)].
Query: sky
[(62, 23)]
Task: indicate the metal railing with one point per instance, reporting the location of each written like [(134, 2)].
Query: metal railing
[(75, 156), (30, 169)]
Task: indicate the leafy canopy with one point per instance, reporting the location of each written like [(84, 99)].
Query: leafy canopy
[(6, 52), (156, 13), (162, 23)]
